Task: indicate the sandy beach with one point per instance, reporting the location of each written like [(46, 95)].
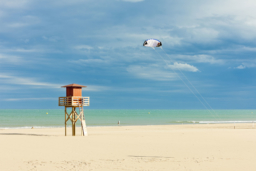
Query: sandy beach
[(208, 147)]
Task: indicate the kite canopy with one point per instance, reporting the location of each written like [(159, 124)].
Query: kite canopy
[(152, 43)]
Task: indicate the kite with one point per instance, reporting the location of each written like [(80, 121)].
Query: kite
[(152, 43)]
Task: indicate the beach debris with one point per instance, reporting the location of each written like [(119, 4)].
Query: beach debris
[(32, 127), (119, 123), (152, 43)]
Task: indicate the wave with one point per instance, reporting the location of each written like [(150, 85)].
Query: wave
[(208, 122), (216, 122), (129, 124), (30, 127)]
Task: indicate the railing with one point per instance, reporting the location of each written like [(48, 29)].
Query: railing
[(74, 101)]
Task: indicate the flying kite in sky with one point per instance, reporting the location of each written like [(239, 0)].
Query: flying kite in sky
[(152, 43), (156, 43)]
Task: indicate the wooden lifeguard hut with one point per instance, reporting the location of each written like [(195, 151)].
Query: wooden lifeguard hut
[(73, 100)]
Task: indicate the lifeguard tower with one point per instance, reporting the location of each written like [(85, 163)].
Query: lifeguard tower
[(73, 100)]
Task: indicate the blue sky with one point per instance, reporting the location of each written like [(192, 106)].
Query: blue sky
[(45, 45)]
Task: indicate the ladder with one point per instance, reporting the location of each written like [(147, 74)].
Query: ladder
[(83, 124)]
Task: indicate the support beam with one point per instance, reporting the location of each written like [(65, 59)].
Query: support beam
[(73, 116), (73, 121), (65, 121)]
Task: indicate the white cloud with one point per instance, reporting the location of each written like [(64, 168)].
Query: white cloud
[(241, 67), (14, 80), (90, 61), (93, 62), (22, 50), (147, 89), (22, 21), (21, 99), (13, 3), (185, 67), (66, 2), (246, 65), (26, 50), (133, 0), (151, 72), (10, 59), (31, 50), (17, 25), (201, 59), (26, 81), (199, 34), (83, 47), (96, 88), (51, 39), (207, 59)]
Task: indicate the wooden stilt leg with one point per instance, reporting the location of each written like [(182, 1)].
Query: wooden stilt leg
[(81, 118), (65, 121), (73, 121)]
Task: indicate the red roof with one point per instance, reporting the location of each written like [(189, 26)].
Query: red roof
[(73, 85)]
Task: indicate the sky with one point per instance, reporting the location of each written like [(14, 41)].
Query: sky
[(207, 58)]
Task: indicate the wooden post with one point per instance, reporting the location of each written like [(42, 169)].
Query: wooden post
[(73, 121), (81, 119), (65, 121), (81, 128)]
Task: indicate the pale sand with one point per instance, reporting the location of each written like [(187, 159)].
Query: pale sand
[(149, 148)]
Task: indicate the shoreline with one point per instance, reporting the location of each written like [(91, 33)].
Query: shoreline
[(241, 123)]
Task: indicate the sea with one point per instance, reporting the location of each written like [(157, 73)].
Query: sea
[(52, 118)]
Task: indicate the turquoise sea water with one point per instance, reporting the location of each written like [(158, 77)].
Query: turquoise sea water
[(26, 118)]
